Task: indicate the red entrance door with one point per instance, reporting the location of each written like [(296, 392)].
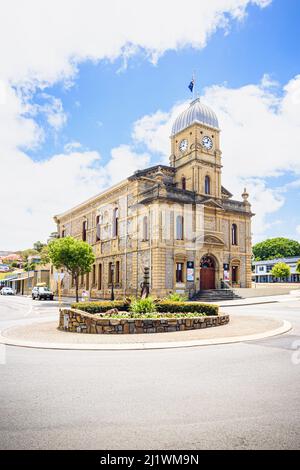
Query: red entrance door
[(207, 273), (207, 278)]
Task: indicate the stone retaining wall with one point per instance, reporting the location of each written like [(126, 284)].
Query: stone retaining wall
[(77, 321)]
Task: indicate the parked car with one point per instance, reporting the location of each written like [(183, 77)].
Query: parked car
[(7, 291), (42, 293)]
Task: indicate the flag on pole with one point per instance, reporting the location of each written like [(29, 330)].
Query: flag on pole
[(191, 85)]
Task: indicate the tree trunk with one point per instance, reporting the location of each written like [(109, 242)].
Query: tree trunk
[(76, 287)]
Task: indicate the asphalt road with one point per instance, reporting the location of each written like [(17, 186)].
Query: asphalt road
[(235, 396)]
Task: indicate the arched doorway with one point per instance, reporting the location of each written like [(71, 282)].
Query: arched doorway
[(207, 273)]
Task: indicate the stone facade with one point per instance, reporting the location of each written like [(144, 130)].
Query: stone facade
[(78, 322), (176, 220)]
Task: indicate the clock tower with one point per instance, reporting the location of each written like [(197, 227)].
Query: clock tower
[(195, 150)]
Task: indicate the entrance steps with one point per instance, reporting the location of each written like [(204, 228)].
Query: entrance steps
[(213, 295)]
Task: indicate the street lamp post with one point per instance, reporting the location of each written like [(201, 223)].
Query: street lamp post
[(112, 268)]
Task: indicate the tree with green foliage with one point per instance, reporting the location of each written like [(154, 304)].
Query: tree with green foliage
[(29, 267), (38, 246), (28, 252), (76, 256), (44, 254), (298, 267), (276, 248), (281, 270)]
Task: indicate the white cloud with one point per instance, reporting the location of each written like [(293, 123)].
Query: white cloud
[(52, 186), (125, 162), (260, 138), (46, 40), (70, 146), (54, 112), (44, 43)]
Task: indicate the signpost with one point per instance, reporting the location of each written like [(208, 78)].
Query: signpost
[(58, 278)]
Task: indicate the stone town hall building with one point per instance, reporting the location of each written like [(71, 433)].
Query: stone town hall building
[(178, 221)]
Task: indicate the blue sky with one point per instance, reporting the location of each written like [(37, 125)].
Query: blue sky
[(264, 42), (100, 102)]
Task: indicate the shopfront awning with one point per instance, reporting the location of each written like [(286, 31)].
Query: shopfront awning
[(24, 276)]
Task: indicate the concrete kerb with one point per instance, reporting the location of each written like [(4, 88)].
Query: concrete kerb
[(284, 328)]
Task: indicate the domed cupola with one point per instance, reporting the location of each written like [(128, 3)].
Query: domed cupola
[(197, 112)]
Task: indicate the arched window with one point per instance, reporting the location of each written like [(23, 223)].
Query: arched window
[(234, 235), (145, 228), (179, 227), (207, 185), (183, 183), (115, 222)]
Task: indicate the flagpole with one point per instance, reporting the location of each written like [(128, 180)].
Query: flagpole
[(194, 88)]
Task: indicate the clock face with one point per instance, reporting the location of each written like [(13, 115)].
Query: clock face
[(183, 145), (207, 142)]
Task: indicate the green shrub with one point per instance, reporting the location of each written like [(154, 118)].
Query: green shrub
[(100, 307), (176, 297), (141, 306), (150, 316), (186, 307), (148, 306)]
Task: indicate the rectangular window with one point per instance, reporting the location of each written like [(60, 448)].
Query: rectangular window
[(115, 231), (117, 272), (110, 273), (98, 228), (179, 227), (84, 226), (94, 275), (179, 272), (100, 277)]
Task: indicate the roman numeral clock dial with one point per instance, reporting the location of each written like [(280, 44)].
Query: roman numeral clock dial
[(183, 146), (207, 143)]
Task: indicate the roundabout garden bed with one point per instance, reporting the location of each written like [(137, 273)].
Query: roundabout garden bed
[(125, 318)]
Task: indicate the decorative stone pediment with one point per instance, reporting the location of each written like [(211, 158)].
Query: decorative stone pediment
[(213, 203), (210, 239)]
